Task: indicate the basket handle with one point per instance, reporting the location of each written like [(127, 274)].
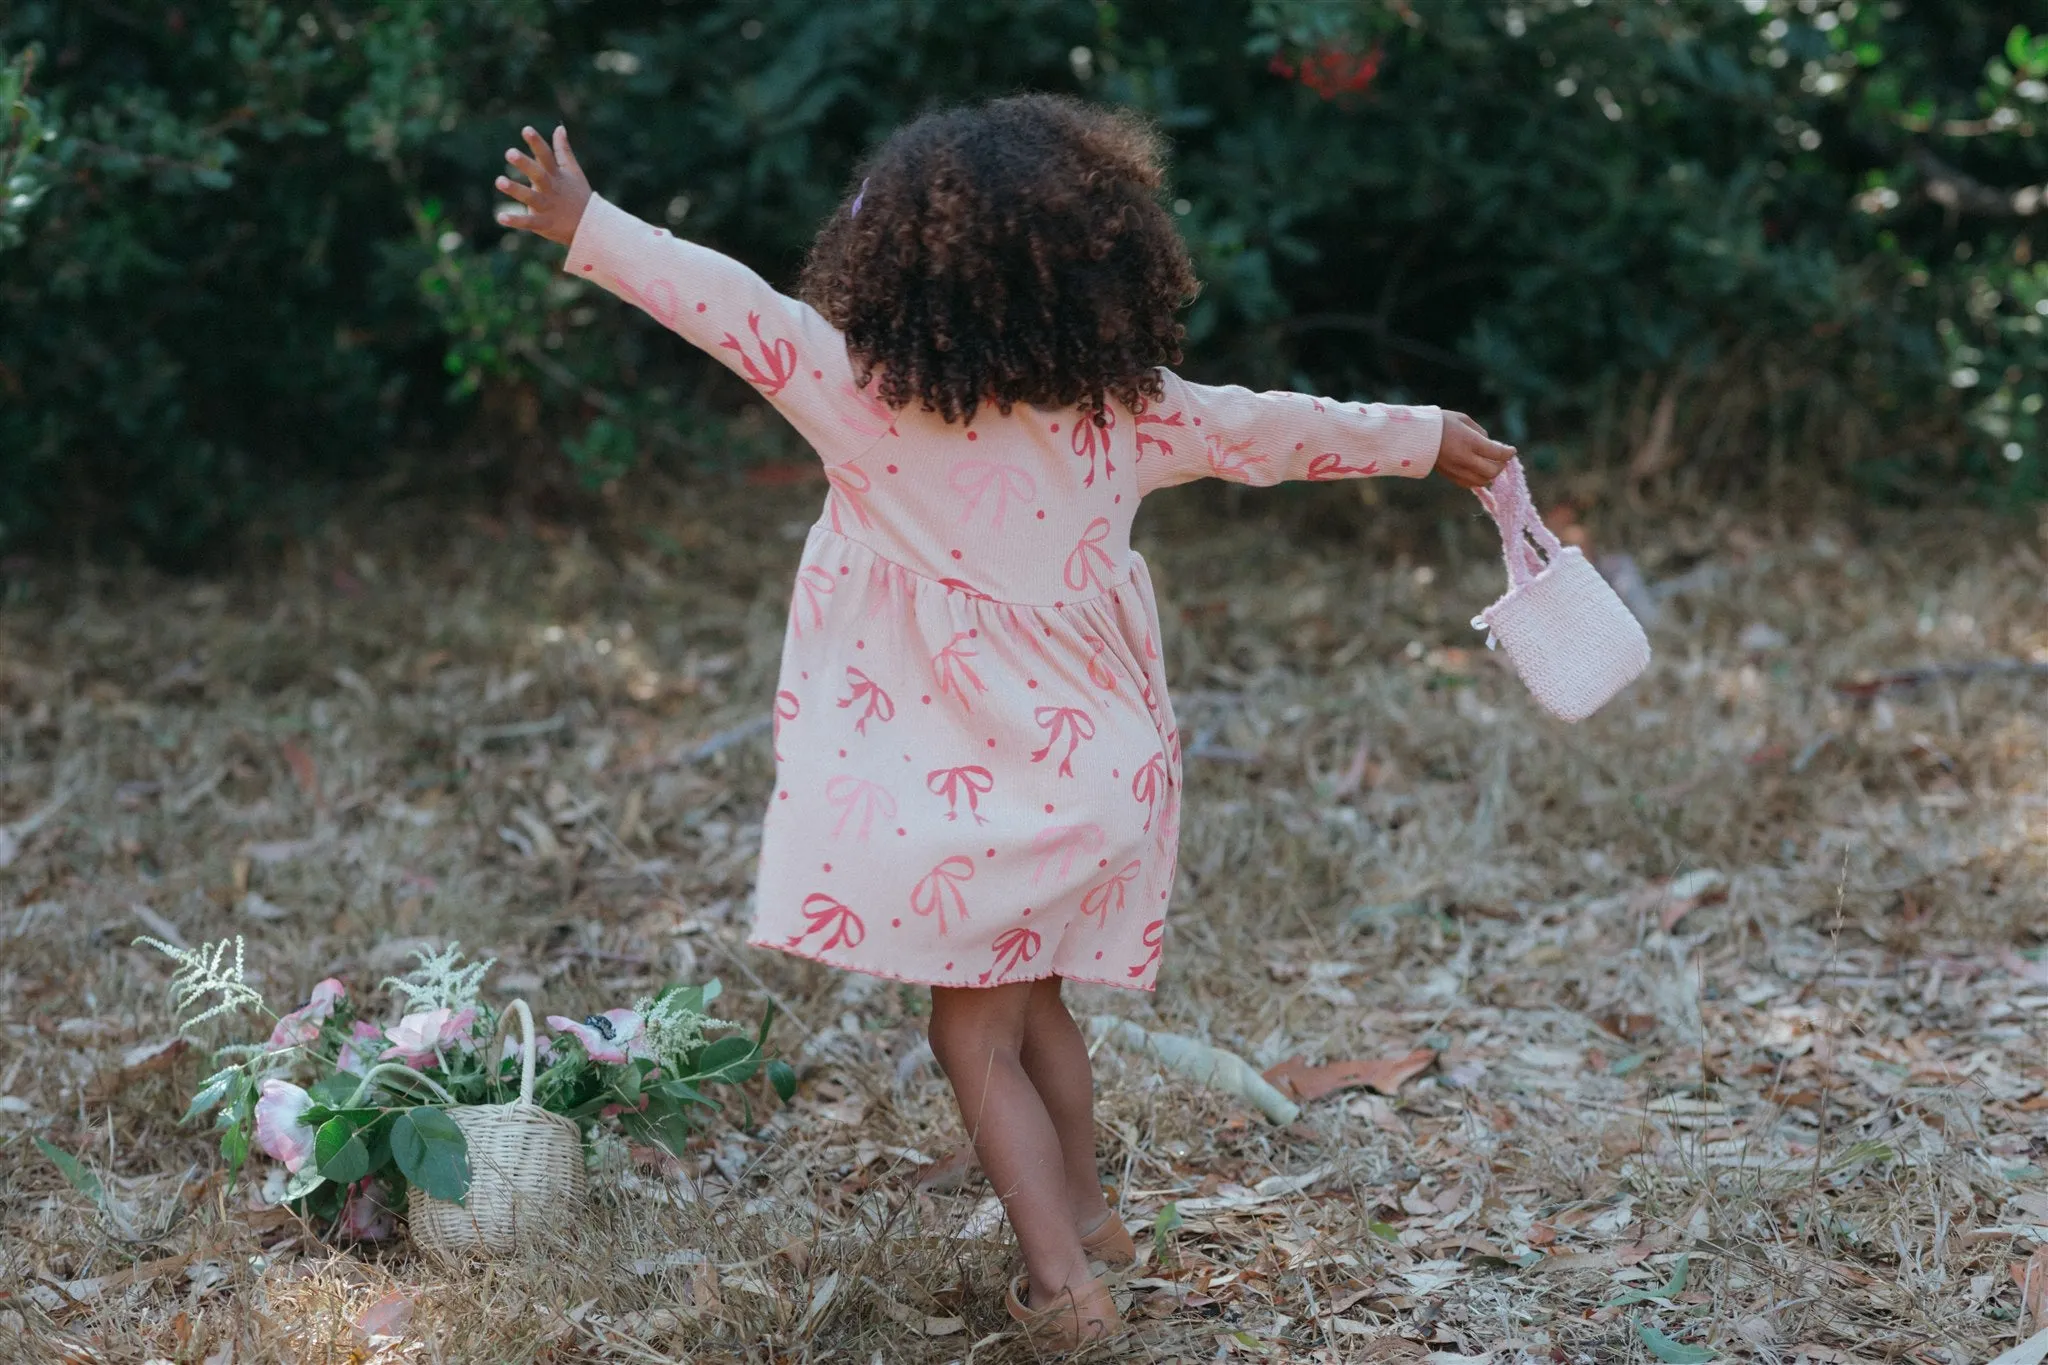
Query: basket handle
[(1514, 512), (526, 1049)]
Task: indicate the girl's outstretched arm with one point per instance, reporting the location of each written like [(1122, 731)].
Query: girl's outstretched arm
[(779, 345), (1196, 431)]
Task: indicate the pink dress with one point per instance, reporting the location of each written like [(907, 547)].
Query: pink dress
[(977, 770)]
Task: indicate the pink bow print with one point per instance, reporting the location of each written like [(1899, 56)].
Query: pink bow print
[(1108, 896), (886, 583), (952, 782), (1089, 437), (1099, 671), (1232, 461), (1152, 438), (942, 883), (868, 694), (1330, 465), (813, 586), (825, 915), (1069, 722), (1151, 784), (1013, 948), (976, 480), (787, 707), (1155, 936), (876, 420), (849, 481), (658, 300), (952, 673), (1065, 843), (853, 794), (1088, 561), (778, 358)]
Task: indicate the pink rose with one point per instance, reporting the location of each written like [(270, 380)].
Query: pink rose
[(354, 1058), (281, 1133), (612, 1036), (302, 1025), (418, 1038), (364, 1217)]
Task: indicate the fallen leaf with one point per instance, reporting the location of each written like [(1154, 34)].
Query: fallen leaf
[(821, 1299), (1679, 896), (1386, 1075), (2031, 1275), (1672, 1352), (386, 1317), (948, 1175), (304, 772), (142, 1060)]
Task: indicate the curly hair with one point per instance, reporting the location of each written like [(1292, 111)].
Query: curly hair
[(1010, 252)]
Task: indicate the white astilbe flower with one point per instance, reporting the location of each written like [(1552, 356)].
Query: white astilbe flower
[(441, 980), (672, 1030), (204, 972)]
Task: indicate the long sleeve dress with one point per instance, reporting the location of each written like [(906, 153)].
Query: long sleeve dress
[(977, 770)]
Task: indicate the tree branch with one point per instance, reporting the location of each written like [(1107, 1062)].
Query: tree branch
[(1962, 193)]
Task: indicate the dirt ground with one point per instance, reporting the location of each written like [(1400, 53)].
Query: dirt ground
[(1713, 1026)]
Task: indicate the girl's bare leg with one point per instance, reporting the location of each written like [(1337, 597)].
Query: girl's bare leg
[(1055, 1057), (978, 1037)]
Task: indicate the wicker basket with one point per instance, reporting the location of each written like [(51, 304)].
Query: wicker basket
[(526, 1172)]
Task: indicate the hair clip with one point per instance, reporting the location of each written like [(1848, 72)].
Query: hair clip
[(854, 210)]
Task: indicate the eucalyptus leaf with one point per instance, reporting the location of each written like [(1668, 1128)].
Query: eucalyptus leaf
[(730, 1060), (432, 1153), (339, 1152), (73, 1170), (1672, 1352)]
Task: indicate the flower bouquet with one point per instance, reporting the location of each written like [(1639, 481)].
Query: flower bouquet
[(434, 1111)]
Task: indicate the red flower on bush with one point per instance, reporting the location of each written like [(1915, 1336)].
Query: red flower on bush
[(1331, 71)]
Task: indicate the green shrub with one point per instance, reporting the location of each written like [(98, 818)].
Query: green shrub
[(246, 250)]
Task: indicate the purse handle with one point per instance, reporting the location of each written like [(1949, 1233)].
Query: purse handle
[(1514, 512)]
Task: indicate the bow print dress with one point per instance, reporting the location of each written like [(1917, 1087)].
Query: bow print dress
[(977, 771)]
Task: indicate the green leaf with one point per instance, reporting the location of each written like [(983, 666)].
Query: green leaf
[(731, 1060), (1163, 1225), (234, 1147), (1386, 1232), (335, 1089), (1673, 1352), (82, 1180), (432, 1153), (339, 1152), (213, 1092), (1670, 1289), (782, 1076)]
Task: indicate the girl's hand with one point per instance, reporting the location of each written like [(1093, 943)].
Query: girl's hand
[(556, 198), (1468, 457)]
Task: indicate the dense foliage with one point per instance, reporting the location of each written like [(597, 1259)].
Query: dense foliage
[(246, 250)]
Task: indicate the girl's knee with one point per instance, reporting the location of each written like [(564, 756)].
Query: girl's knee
[(969, 1027)]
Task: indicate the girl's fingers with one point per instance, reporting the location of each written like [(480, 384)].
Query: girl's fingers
[(564, 155), (525, 194), (541, 151), (526, 166)]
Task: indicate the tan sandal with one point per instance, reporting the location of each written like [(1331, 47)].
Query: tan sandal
[(1110, 1243), (1071, 1321)]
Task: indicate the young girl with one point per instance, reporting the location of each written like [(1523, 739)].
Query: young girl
[(978, 775)]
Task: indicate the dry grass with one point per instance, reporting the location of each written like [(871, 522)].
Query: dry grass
[(1819, 1092)]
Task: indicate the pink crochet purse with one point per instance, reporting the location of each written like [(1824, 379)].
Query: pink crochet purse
[(1566, 632)]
